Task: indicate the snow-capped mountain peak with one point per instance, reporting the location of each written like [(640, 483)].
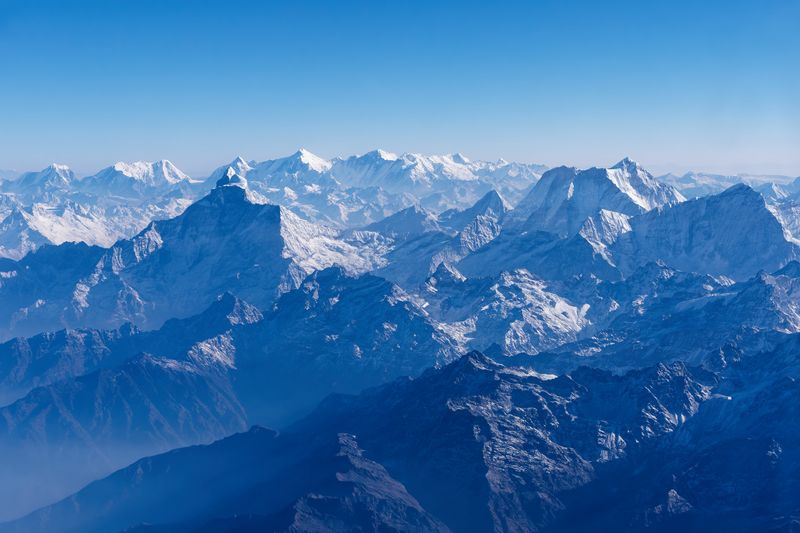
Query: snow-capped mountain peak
[(61, 169), (137, 180), (382, 154), (566, 197), (153, 173), (640, 186), (312, 161), (47, 185), (54, 175), (628, 164), (296, 171), (240, 165)]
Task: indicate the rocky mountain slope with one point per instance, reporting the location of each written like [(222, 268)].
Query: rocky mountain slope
[(500, 447)]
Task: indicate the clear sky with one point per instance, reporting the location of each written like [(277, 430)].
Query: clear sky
[(707, 85)]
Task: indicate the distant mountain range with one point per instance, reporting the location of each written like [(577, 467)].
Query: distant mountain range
[(55, 206), (120, 200)]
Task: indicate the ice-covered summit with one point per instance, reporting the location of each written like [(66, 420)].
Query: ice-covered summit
[(138, 180), (640, 186), (312, 161), (302, 161), (383, 154), (151, 173), (566, 197)]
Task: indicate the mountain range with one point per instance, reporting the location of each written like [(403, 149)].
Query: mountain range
[(398, 343)]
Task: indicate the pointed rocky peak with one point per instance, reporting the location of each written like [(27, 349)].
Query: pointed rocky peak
[(628, 164), (640, 186), (239, 162), (241, 166), (492, 201)]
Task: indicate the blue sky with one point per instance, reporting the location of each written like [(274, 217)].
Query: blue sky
[(708, 85)]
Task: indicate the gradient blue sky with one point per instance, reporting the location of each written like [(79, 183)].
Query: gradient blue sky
[(706, 85)]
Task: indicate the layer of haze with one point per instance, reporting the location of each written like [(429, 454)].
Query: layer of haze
[(677, 85)]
